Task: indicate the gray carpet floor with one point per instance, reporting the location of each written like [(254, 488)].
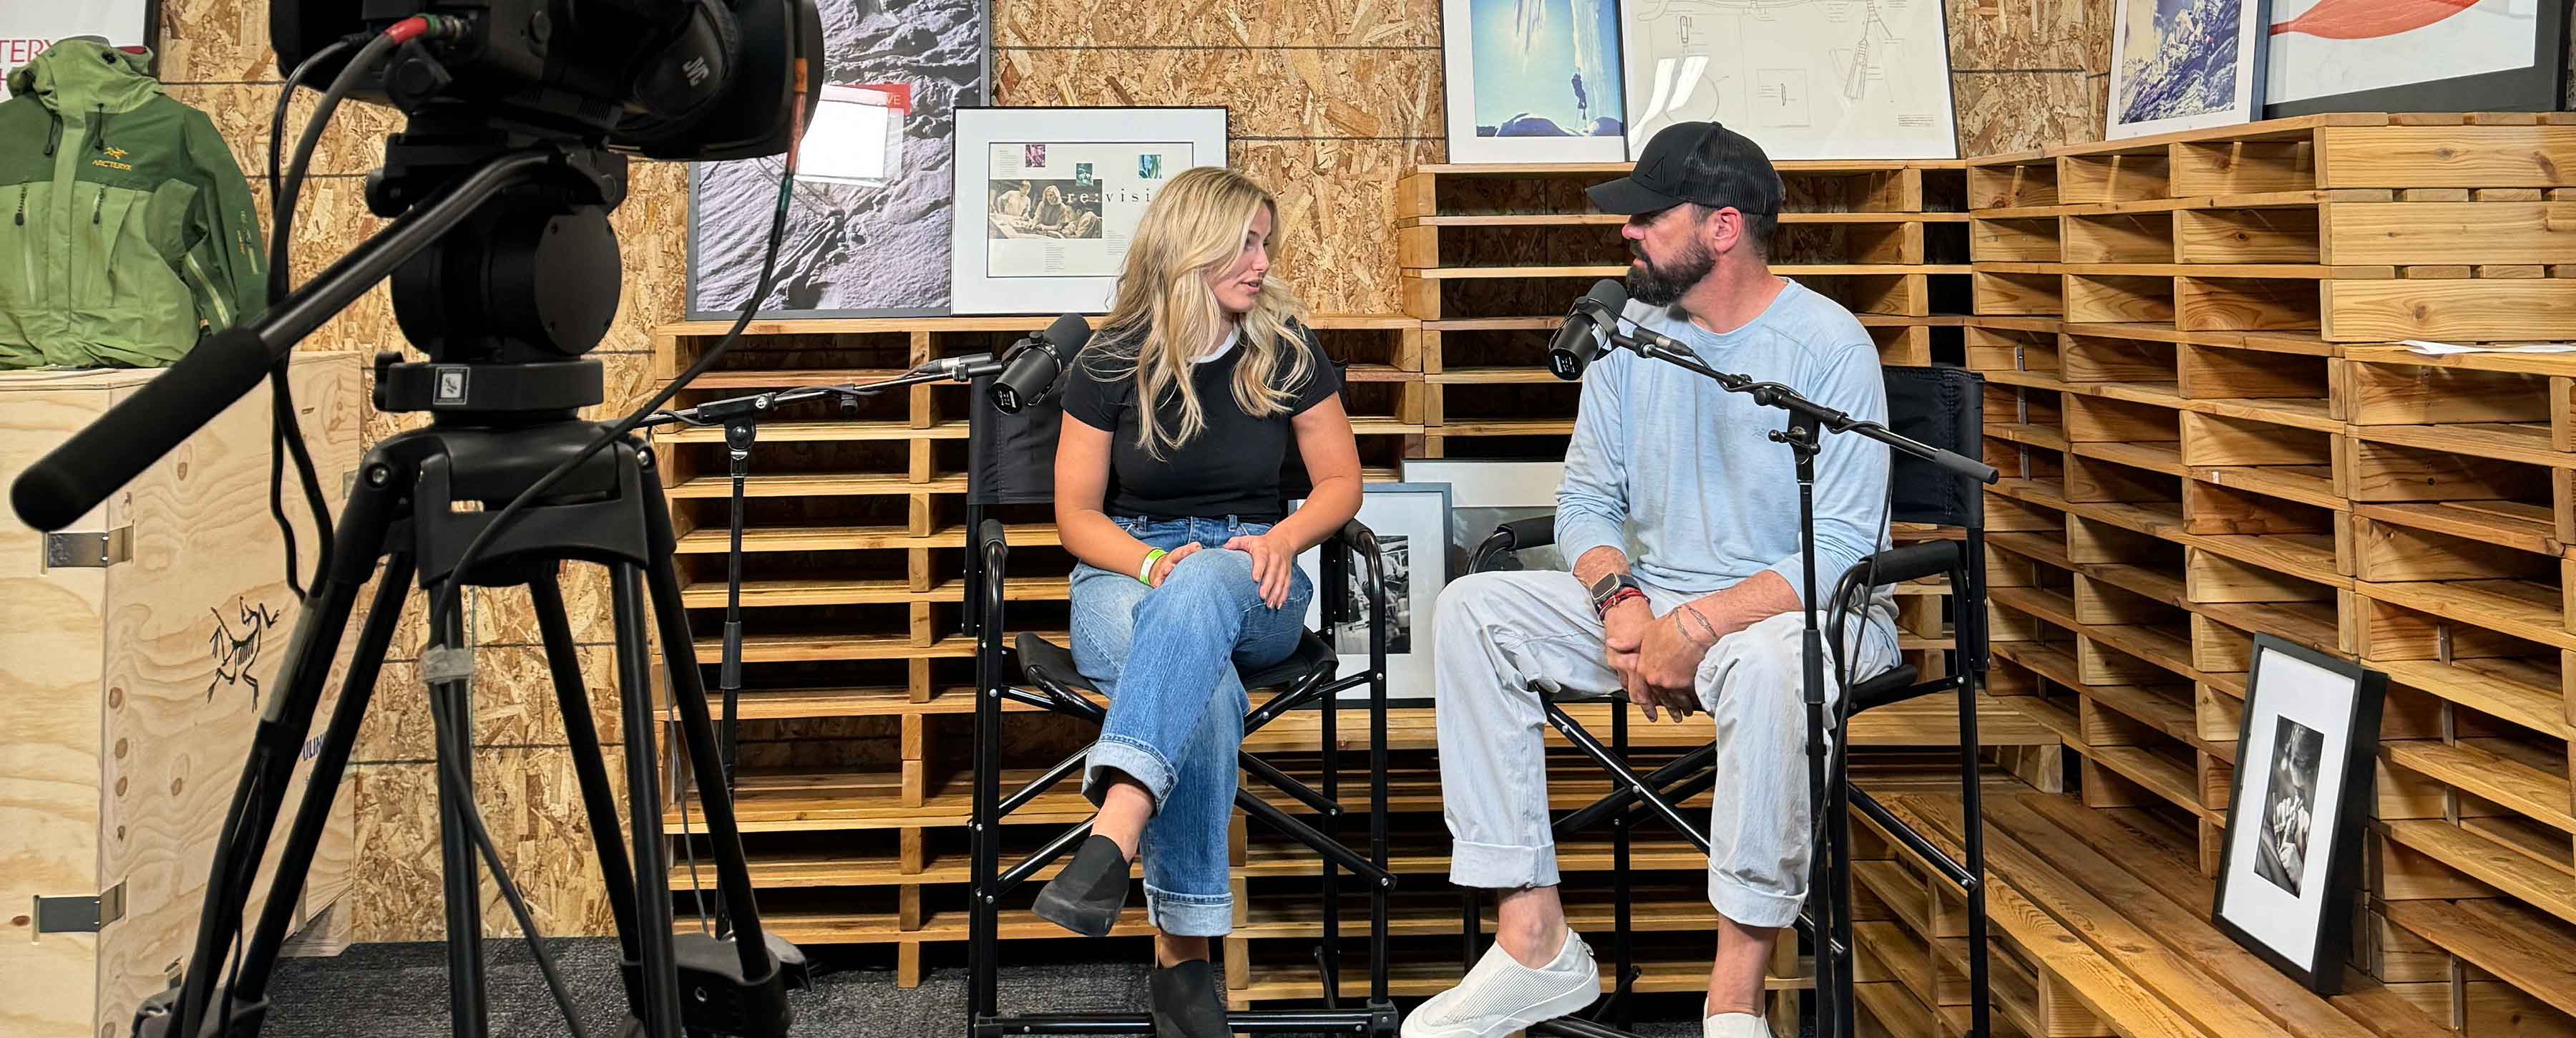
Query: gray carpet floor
[(393, 990)]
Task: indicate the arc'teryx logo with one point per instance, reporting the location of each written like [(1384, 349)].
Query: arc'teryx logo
[(236, 654)]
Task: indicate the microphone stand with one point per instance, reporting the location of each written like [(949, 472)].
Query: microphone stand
[(1806, 418), (741, 417)]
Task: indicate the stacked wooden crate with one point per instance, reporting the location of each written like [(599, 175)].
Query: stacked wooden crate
[(2207, 434)]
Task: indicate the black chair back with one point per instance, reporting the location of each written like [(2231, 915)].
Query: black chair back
[(1940, 407)]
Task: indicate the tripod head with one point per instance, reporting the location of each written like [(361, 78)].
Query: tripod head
[(506, 304)]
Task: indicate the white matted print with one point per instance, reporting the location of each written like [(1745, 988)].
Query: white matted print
[(1410, 521), (2307, 740), (1047, 199), (1533, 80), (2185, 65), (1804, 80), (2320, 48)]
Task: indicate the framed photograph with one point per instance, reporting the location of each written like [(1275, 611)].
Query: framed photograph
[(1410, 520), (1805, 81), (2302, 793), (1534, 81), (2185, 65), (1048, 197), (2415, 56), (1484, 494), (868, 228)]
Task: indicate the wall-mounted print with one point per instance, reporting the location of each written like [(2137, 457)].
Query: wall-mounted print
[(2306, 747), (2185, 65), (2415, 56), (1533, 81), (1804, 80), (1047, 198), (867, 228)]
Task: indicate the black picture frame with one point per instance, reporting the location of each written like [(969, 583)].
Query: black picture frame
[(2538, 87), (2323, 968)]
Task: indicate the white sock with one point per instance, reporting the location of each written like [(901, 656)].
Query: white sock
[(1734, 1025)]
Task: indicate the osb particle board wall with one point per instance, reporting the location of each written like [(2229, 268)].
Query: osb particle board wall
[(1331, 100)]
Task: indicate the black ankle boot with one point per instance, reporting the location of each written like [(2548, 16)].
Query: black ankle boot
[(1088, 895), (1188, 1003)]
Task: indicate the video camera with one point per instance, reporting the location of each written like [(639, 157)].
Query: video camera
[(692, 80)]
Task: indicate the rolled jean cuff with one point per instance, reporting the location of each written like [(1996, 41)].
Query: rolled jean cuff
[(1138, 760), (1189, 915), (1489, 866), (1749, 907)]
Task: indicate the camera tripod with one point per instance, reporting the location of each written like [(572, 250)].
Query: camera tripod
[(505, 272)]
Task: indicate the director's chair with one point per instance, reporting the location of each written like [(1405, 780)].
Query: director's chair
[(1941, 407), (1013, 462)]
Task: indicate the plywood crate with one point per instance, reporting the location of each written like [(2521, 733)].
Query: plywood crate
[(133, 688)]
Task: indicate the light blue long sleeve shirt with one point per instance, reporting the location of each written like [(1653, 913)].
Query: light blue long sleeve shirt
[(1682, 473)]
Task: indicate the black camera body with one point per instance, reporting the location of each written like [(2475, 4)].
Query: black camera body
[(692, 80)]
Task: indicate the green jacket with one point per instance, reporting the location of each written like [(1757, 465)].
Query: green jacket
[(126, 231)]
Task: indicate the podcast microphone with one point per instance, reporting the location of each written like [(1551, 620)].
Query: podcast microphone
[(1030, 369), (1589, 326)]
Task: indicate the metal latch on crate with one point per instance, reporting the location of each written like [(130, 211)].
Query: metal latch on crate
[(79, 914), (89, 550)]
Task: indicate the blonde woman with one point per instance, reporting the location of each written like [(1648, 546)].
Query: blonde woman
[(1187, 557)]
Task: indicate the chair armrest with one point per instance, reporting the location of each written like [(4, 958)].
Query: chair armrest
[(1537, 531), (994, 548), (1912, 562)]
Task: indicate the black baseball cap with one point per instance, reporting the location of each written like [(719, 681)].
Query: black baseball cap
[(1700, 162)]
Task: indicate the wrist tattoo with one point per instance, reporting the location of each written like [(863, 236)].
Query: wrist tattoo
[(1695, 625)]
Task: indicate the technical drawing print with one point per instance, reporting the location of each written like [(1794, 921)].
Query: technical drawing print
[(1806, 79)]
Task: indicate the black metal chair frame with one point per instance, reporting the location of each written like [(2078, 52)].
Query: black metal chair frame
[(1309, 676), (1826, 923)]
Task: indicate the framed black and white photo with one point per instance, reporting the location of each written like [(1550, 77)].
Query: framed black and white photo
[(867, 227), (1410, 521), (2185, 65), (2415, 56), (1047, 199), (2302, 791)]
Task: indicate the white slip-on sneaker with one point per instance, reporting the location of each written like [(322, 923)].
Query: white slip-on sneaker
[(1501, 996), (1734, 1025)]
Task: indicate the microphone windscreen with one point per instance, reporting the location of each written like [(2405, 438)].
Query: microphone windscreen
[(1610, 295), (1069, 332)]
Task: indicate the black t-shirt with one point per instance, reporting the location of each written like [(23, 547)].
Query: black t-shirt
[(1231, 467)]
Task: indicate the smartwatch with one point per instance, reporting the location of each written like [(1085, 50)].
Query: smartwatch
[(1611, 590)]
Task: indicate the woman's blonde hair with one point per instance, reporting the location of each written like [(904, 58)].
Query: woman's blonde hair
[(1165, 314)]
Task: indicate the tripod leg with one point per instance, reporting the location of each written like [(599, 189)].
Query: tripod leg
[(295, 860), (451, 710), (644, 798), (280, 736), (697, 732), (599, 802)]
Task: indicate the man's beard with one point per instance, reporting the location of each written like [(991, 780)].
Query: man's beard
[(1663, 284)]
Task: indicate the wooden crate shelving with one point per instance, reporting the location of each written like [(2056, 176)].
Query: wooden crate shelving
[(2207, 436), (2330, 224)]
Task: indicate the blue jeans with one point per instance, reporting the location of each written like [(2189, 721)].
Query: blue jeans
[(1167, 659)]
